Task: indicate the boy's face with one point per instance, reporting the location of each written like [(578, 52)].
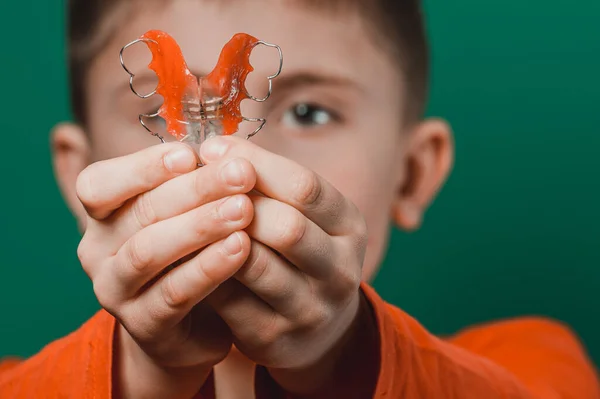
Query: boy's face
[(336, 108)]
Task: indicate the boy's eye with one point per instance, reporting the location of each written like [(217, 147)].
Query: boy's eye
[(306, 115)]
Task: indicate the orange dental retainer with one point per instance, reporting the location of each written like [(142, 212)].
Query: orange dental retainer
[(196, 108)]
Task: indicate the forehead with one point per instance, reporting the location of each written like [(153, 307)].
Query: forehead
[(310, 38)]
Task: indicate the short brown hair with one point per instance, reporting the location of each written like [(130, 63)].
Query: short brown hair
[(400, 23)]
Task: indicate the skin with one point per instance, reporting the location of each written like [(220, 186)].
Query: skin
[(320, 191)]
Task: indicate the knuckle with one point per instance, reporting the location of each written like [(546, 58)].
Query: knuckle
[(84, 187), (143, 210), (83, 254), (88, 256), (347, 278), (355, 242), (270, 330), (308, 188), (256, 267), (202, 278), (315, 316), (293, 229), (134, 322), (361, 232), (156, 315), (138, 256), (349, 281), (171, 296), (102, 292)]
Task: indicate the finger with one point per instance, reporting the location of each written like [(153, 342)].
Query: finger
[(106, 185), (174, 295), (183, 193), (148, 252), (286, 181), (278, 283), (246, 314), (295, 237)]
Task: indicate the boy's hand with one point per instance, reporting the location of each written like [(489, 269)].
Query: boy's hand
[(147, 211), (296, 299)]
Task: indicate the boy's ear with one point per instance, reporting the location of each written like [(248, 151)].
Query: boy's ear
[(428, 161), (70, 155)]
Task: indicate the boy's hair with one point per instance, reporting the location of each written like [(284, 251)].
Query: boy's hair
[(397, 24)]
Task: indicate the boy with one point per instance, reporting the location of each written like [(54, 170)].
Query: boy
[(270, 237)]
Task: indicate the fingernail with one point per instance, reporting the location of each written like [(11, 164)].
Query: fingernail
[(180, 160), (233, 244), (233, 173), (213, 148), (231, 209)]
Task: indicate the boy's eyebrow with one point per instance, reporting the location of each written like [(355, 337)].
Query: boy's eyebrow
[(284, 83), (296, 80)]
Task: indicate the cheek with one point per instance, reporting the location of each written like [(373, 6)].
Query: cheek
[(373, 196), (112, 136), (370, 183), (113, 123)]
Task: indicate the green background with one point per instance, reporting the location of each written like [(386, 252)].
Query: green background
[(516, 230)]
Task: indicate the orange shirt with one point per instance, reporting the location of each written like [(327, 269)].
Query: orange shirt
[(518, 359)]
